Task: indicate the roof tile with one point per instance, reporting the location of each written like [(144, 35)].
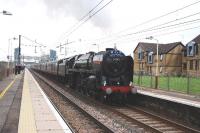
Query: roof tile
[(162, 48)]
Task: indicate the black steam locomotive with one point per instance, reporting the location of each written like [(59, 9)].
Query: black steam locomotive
[(106, 74)]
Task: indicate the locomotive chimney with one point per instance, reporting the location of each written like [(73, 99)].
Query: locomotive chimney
[(109, 49)]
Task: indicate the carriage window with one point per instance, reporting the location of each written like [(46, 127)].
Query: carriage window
[(61, 61), (83, 57), (98, 58)]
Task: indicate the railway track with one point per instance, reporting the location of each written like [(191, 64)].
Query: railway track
[(78, 120), (152, 122), (97, 117), (120, 119)]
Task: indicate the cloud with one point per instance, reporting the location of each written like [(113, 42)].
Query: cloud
[(78, 8)]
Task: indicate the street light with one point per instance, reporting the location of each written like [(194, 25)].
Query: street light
[(10, 47), (6, 12), (96, 45), (9, 59), (152, 38)]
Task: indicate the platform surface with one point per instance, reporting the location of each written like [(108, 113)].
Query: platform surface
[(10, 100), (181, 98), (37, 114)]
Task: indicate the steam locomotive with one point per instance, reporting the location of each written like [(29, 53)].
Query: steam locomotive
[(106, 75)]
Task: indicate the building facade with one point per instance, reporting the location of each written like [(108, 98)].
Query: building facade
[(169, 58), (191, 58)]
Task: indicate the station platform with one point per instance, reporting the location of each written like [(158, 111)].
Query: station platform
[(37, 114), (10, 101), (25, 108), (176, 97)]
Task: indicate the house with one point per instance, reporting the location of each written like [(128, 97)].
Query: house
[(191, 57), (169, 58)]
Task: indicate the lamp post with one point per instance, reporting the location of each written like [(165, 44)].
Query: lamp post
[(19, 52), (156, 76), (6, 12), (9, 57), (96, 45), (10, 47)]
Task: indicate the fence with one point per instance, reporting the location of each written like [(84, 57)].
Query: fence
[(171, 82), (6, 69)]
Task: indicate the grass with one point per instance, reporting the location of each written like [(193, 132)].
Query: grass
[(180, 84)]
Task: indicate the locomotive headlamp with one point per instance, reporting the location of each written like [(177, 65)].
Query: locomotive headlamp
[(92, 77), (131, 83), (108, 91), (104, 83)]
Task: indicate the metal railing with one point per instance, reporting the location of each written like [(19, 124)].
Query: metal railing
[(171, 82)]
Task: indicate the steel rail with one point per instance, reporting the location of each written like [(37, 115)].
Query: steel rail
[(165, 120)]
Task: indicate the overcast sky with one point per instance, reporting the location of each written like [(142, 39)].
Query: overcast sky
[(49, 21)]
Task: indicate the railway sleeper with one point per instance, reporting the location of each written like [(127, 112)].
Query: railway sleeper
[(151, 122), (167, 129), (139, 117), (158, 125), (173, 132), (143, 119)]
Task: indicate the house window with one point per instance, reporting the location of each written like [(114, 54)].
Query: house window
[(196, 49), (196, 65), (199, 65), (150, 58), (184, 66), (148, 68), (191, 64), (161, 57), (190, 49), (161, 68), (140, 54), (142, 66), (185, 53)]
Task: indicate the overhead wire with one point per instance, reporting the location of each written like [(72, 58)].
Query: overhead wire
[(150, 20), (152, 29), (146, 22), (33, 41), (88, 18), (159, 34), (191, 15), (82, 18), (161, 16), (157, 29)]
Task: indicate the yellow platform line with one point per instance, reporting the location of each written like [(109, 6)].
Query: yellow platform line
[(26, 121), (6, 89)]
